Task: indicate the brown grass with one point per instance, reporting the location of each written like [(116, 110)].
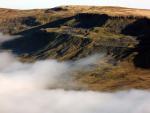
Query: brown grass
[(110, 78), (71, 10)]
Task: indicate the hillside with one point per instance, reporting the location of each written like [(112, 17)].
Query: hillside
[(74, 32)]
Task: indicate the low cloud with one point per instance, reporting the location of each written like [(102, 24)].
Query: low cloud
[(15, 75), (60, 101), (4, 38), (25, 88)]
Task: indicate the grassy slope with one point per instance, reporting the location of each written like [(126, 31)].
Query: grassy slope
[(73, 32)]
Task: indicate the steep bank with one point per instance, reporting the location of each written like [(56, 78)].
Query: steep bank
[(66, 33)]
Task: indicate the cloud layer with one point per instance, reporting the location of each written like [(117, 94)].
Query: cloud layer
[(24, 88), (60, 101), (15, 75), (4, 38)]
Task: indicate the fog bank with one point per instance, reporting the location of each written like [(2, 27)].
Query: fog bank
[(4, 38), (60, 101), (24, 88), (15, 75)]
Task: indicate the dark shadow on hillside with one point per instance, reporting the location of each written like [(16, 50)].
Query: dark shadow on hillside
[(141, 30), (28, 44), (56, 9), (35, 39), (56, 23), (87, 20), (84, 20), (30, 21)]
